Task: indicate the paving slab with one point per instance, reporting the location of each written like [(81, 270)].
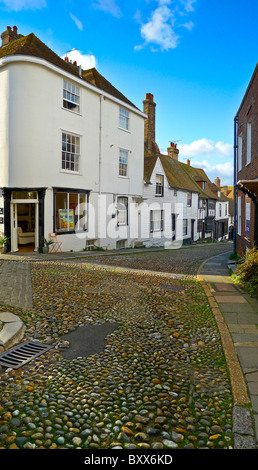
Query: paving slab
[(248, 357), (218, 286), (236, 307), (230, 299)]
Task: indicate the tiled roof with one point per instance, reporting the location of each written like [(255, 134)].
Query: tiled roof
[(182, 176), (32, 46)]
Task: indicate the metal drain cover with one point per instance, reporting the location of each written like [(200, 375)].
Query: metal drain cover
[(19, 355)]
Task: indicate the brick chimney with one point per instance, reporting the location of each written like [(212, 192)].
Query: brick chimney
[(217, 181), (150, 123), (225, 190), (188, 162), (10, 35), (173, 151)]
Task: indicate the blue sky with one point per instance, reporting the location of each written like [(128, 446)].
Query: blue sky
[(195, 56)]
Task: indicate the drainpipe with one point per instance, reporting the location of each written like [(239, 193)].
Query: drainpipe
[(100, 163), (235, 181)]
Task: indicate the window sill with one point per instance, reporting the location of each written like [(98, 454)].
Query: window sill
[(70, 172), (70, 111), (125, 130), (71, 232), (123, 177)]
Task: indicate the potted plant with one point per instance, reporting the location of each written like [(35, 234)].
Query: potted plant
[(45, 244), (3, 243)]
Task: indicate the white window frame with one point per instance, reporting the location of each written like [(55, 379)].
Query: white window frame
[(248, 142), (159, 185), (80, 215), (122, 211), (156, 220), (123, 162), (71, 97), (71, 151), (124, 117), (239, 152), (239, 215), (185, 227)]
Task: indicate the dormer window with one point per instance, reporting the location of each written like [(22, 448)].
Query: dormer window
[(71, 97), (159, 185)]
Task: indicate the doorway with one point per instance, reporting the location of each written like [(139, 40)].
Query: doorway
[(24, 221)]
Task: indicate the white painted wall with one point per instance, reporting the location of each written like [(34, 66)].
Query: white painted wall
[(4, 128), (170, 203), (33, 144)]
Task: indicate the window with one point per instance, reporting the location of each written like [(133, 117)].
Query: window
[(185, 226), (71, 96), (123, 162), (248, 148), (247, 216), (70, 211), (124, 119), (156, 220), (220, 210), (239, 153), (189, 199), (226, 209), (175, 192), (203, 184), (122, 208), (159, 185), (239, 215), (70, 152)]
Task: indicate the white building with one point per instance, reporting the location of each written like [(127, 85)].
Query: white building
[(71, 151)]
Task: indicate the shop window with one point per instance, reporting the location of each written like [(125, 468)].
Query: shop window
[(70, 212)]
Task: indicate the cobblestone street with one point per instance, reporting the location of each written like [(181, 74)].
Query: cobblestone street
[(159, 380)]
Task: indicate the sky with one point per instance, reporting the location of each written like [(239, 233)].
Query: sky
[(195, 56)]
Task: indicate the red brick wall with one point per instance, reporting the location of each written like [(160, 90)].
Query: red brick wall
[(248, 112)]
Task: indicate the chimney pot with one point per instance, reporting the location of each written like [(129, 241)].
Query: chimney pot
[(188, 162), (75, 63), (149, 96)]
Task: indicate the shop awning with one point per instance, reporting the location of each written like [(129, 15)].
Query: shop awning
[(249, 187)]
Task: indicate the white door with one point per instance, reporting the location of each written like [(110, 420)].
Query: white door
[(14, 227)]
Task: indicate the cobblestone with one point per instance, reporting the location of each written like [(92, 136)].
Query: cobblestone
[(160, 382)]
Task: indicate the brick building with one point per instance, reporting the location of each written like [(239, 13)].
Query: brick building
[(246, 169)]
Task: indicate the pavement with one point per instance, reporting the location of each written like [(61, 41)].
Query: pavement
[(235, 311)]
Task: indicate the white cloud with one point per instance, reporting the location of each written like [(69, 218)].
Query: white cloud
[(109, 6), (18, 5), (216, 159), (189, 25), (77, 22), (159, 29), (205, 146), (188, 5), (224, 171), (87, 61)]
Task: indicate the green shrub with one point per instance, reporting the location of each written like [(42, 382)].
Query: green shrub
[(247, 272)]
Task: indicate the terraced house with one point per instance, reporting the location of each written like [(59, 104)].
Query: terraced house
[(181, 204), (71, 151), (80, 160), (246, 169)]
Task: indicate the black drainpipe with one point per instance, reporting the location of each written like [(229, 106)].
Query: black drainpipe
[(235, 181)]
